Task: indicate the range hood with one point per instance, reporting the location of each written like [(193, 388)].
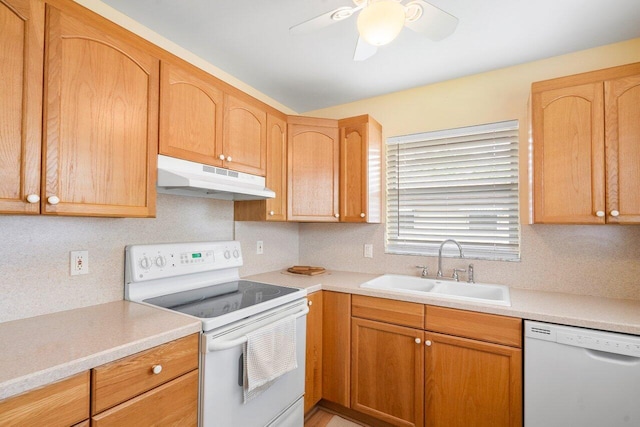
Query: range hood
[(185, 178)]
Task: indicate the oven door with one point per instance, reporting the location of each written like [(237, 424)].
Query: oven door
[(221, 390)]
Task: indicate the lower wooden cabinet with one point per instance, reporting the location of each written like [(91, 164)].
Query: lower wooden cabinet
[(472, 383), (172, 404), (156, 387), (62, 404), (464, 370), (336, 347), (387, 379), (313, 363)]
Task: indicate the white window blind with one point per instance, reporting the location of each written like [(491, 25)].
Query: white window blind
[(457, 184)]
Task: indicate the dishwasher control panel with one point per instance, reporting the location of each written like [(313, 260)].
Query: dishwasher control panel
[(609, 342)]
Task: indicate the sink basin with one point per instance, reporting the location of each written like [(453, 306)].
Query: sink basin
[(472, 292), (399, 282)]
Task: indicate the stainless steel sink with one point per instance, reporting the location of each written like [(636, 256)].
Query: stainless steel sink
[(473, 292)]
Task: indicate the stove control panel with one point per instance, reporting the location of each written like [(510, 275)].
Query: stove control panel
[(147, 262)]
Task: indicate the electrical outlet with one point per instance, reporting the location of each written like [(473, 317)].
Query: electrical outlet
[(79, 262), (259, 247), (368, 250)]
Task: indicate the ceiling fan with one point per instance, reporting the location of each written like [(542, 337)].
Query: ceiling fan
[(380, 21)]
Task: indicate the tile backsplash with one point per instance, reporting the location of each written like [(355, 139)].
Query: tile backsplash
[(34, 253), (589, 260)]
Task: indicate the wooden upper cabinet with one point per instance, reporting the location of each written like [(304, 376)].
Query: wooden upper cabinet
[(622, 140), (569, 154), (313, 169), (245, 136), (191, 109), (586, 156), (21, 50), (276, 179), (360, 169), (101, 117)]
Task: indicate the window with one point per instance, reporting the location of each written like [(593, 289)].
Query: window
[(457, 184)]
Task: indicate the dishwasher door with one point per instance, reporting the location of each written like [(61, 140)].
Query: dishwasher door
[(576, 377)]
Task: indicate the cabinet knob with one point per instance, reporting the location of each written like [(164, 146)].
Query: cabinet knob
[(229, 158), (427, 343), (53, 200), (33, 198), (418, 341), (600, 214), (156, 369), (362, 215), (337, 215), (615, 213), (221, 157), (272, 213), (309, 303)]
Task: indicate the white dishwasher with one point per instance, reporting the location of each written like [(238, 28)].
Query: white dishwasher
[(575, 377)]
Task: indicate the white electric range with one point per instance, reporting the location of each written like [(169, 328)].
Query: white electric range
[(202, 280)]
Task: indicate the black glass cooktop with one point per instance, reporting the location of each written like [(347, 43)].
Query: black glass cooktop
[(220, 299)]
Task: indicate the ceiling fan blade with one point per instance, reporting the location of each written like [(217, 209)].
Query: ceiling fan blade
[(323, 20), (363, 50), (434, 23)]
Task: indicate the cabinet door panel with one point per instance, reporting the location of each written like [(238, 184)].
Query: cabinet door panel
[(623, 149), (313, 161), (387, 372), (336, 347), (21, 50), (245, 136), (190, 116), (313, 366), (277, 168), (569, 155), (469, 382), (101, 97), (353, 173)]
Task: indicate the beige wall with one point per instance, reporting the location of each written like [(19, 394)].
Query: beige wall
[(602, 260)]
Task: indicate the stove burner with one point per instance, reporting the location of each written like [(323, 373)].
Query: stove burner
[(220, 299)]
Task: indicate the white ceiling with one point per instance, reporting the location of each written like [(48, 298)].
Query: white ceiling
[(250, 40)]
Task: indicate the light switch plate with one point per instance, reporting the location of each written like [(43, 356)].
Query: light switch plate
[(368, 250)]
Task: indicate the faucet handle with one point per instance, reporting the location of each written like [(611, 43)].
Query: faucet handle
[(470, 278), (455, 273), (425, 270)]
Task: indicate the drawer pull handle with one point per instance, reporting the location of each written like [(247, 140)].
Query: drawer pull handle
[(418, 340), (156, 369), (427, 343)]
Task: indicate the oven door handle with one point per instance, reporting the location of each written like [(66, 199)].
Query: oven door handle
[(218, 345)]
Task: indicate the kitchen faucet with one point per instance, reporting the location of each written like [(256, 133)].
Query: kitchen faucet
[(439, 274)]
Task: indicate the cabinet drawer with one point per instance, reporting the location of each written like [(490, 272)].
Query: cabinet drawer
[(123, 379), (388, 310), (479, 326), (59, 404), (172, 404)]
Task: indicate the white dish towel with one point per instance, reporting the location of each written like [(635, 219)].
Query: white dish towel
[(269, 353)]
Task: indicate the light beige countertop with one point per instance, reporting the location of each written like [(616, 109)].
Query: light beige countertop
[(577, 310), (40, 350)]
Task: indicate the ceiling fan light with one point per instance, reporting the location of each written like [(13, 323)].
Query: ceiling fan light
[(381, 22)]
